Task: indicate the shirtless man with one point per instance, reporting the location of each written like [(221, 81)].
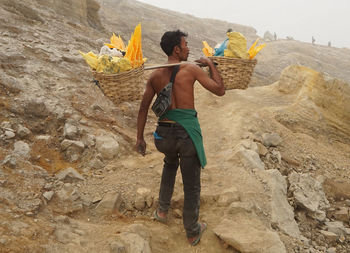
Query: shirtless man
[(178, 134)]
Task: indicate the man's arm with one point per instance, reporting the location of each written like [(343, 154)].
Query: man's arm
[(213, 84), (142, 117)]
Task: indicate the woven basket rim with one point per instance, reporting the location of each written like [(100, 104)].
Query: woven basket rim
[(121, 73), (232, 58)]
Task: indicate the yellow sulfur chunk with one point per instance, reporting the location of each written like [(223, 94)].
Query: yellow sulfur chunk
[(207, 50), (114, 68), (114, 65), (106, 63), (134, 48), (137, 45), (255, 50), (124, 64), (109, 45), (92, 54), (114, 39), (252, 46), (116, 42), (122, 45), (103, 63), (91, 59)]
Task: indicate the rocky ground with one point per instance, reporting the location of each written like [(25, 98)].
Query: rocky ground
[(277, 178)]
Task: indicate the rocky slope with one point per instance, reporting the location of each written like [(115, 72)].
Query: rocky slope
[(278, 156), (119, 17)]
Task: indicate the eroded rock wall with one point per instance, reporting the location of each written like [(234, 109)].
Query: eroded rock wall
[(82, 11)]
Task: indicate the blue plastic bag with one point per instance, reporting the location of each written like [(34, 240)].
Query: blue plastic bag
[(220, 50), (156, 136)]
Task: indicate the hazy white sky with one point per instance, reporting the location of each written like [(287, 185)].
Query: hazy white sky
[(326, 20)]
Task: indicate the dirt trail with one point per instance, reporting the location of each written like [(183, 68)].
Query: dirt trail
[(224, 120), (234, 114)]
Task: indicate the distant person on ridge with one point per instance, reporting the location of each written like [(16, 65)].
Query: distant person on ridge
[(178, 134), (313, 40)]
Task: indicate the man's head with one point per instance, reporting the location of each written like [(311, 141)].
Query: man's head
[(174, 42)]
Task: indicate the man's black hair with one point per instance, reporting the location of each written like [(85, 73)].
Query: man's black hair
[(171, 39), (229, 30)]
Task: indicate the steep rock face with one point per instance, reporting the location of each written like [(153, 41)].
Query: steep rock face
[(75, 10), (82, 11), (321, 101), (92, 14)]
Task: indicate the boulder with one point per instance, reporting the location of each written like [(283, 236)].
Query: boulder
[(249, 235), (10, 161), (249, 157), (69, 175), (67, 200), (72, 149), (23, 132), (21, 149), (308, 193), (70, 131), (271, 139), (107, 146), (282, 214), (268, 36), (342, 214), (9, 134), (110, 202), (134, 243), (36, 108)]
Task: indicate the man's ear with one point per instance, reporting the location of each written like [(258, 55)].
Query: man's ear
[(177, 49)]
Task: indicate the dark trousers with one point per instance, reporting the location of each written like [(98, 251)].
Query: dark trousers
[(178, 148)]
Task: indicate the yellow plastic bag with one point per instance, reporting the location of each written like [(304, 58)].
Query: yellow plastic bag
[(236, 46)]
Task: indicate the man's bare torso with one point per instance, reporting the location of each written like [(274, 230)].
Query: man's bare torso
[(182, 95)]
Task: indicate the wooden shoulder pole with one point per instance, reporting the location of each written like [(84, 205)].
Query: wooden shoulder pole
[(169, 65)]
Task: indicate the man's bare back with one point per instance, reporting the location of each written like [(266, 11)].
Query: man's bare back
[(182, 93)]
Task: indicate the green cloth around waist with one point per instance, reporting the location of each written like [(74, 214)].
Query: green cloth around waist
[(188, 119)]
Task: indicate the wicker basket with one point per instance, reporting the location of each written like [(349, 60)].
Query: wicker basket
[(235, 72), (126, 86)]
